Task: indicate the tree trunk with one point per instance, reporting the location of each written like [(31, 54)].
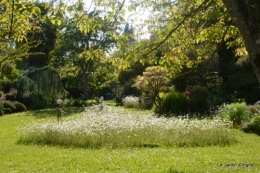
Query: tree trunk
[(248, 26)]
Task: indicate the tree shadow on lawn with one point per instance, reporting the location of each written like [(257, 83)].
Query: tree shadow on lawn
[(65, 111)]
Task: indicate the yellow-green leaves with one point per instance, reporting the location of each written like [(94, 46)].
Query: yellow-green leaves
[(56, 20), (96, 55), (88, 24)]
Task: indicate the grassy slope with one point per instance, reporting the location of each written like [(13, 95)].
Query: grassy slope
[(22, 158)]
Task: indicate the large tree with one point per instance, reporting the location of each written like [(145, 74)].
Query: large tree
[(246, 16), (14, 18), (196, 27), (85, 40), (42, 37)]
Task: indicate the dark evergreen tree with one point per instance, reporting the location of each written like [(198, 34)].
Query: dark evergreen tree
[(42, 38)]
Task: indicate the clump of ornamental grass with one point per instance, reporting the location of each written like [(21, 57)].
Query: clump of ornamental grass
[(131, 102), (116, 127)]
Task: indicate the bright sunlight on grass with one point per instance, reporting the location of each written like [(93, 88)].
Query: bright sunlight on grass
[(19, 158)]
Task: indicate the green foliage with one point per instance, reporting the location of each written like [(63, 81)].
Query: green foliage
[(78, 103), (9, 107), (198, 100), (131, 102), (256, 122), (38, 102), (147, 103), (1, 109), (26, 90), (84, 103), (153, 81), (37, 86), (6, 68), (15, 17), (91, 102), (81, 50), (198, 91), (127, 89), (18, 15), (11, 95), (238, 112), (6, 85), (19, 107), (133, 71), (199, 105), (173, 103), (8, 111), (253, 126), (243, 82), (255, 109)]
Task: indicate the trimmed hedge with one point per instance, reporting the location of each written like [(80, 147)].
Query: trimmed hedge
[(175, 104)]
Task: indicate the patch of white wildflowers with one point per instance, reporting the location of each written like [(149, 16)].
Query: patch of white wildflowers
[(131, 102), (116, 127)]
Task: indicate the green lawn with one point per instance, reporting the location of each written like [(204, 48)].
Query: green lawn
[(29, 158)]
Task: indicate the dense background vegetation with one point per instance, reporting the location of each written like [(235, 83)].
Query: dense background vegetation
[(81, 51), (186, 72)]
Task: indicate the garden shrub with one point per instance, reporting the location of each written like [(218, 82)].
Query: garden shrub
[(247, 127), (77, 103), (238, 112), (67, 102), (82, 103), (174, 103), (198, 105), (256, 124), (253, 126), (6, 85), (7, 111), (198, 91), (38, 103), (91, 102), (1, 109), (256, 121), (19, 106), (147, 103), (9, 107), (131, 102), (255, 109), (97, 99), (11, 95)]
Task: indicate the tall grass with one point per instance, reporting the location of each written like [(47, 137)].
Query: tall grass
[(131, 102), (116, 127)]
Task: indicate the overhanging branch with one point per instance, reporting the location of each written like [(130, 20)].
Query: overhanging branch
[(192, 13)]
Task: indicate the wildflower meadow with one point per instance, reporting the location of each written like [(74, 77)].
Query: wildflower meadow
[(116, 139), (116, 128)]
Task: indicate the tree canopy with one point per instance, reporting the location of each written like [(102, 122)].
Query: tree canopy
[(190, 39)]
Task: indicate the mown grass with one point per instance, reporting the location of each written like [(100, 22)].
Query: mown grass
[(42, 158)]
